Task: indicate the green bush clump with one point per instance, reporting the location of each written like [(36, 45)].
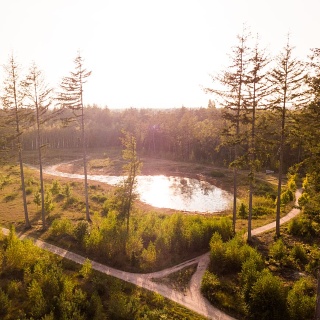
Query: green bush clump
[(302, 226), (278, 251), (61, 227), (228, 257), (81, 230), (209, 285), (299, 254), (301, 300), (268, 298)]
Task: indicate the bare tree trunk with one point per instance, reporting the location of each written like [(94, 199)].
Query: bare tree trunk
[(84, 148), (23, 187)]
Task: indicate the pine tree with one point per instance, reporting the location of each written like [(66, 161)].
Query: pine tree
[(12, 100), (232, 97), (39, 100), (289, 91), (131, 169), (258, 88), (71, 98)]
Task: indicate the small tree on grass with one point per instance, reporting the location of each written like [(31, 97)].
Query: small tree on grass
[(131, 170)]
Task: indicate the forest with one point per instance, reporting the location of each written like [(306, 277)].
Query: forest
[(263, 118)]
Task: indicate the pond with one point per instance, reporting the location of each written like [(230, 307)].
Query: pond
[(178, 193)]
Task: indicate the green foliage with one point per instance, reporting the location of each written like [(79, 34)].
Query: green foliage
[(48, 202), (301, 300), (278, 251), (81, 230), (55, 187), (302, 226), (299, 254), (286, 197), (37, 198), (267, 298), (243, 212), (250, 272), (4, 303), (86, 269), (230, 256), (61, 227), (209, 285), (37, 303)]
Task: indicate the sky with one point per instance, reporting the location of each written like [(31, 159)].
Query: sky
[(148, 53)]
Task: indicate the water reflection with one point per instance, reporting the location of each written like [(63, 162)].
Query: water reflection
[(177, 193)]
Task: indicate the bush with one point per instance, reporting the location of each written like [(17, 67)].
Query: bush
[(243, 212), (61, 227), (301, 227), (278, 251), (55, 187), (268, 298), (250, 272), (81, 230), (299, 254), (209, 284), (301, 300)]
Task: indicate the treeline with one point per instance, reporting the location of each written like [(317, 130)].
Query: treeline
[(182, 134)]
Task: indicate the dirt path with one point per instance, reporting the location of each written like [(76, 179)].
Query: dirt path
[(191, 299)]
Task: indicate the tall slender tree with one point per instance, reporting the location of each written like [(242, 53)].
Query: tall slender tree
[(71, 97), (12, 100), (258, 88), (39, 100), (232, 97), (288, 79), (131, 170)]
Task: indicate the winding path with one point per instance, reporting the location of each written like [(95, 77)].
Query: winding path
[(192, 298)]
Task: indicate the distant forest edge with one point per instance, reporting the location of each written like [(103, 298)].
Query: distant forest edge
[(181, 134)]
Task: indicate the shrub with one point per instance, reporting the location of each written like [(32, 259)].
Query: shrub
[(301, 300), (243, 213), (299, 254), (250, 272), (278, 251), (4, 303), (286, 197), (268, 298), (61, 227), (217, 252), (81, 230), (48, 203), (86, 269), (302, 227), (209, 284), (55, 187)]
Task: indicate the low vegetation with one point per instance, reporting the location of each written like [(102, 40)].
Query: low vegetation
[(35, 284)]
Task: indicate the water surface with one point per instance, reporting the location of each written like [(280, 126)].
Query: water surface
[(179, 193)]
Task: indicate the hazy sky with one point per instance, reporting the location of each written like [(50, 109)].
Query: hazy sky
[(147, 53)]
